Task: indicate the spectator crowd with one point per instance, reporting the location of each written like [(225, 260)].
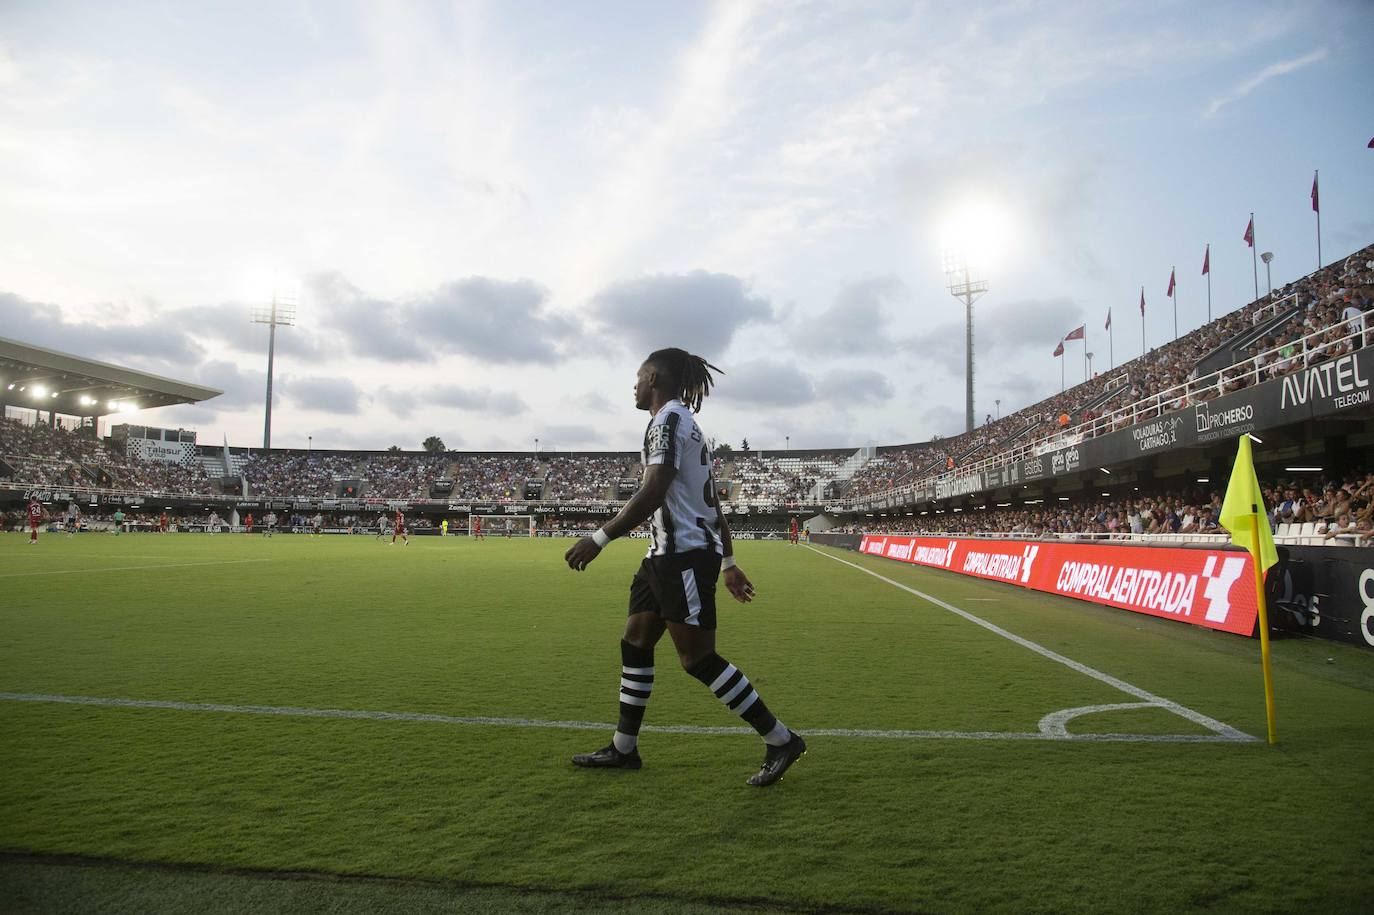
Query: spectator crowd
[(1341, 509), (1318, 317)]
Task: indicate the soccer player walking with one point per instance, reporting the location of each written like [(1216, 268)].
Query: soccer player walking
[(675, 587), (398, 528), (36, 516)]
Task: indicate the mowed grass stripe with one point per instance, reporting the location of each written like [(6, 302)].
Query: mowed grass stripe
[(1211, 724), (504, 629), (133, 568), (908, 826)]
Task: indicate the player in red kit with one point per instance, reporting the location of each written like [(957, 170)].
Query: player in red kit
[(398, 526), (36, 515), (162, 523), (477, 529), (792, 534), (248, 523)]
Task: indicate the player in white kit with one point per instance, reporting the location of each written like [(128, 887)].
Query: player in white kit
[(674, 590)]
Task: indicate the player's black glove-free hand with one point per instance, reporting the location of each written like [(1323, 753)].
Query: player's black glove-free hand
[(582, 553)]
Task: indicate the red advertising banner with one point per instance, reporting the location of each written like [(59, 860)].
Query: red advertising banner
[(1211, 588)]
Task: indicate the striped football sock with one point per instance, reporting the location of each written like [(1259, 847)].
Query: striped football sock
[(737, 694), (636, 683)]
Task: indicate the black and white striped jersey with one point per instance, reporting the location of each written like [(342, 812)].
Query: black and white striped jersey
[(687, 520)]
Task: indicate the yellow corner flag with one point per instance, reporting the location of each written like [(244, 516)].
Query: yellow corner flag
[(1245, 502), (1243, 514)]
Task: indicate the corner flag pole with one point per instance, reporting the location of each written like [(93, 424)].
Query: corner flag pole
[(1242, 513), (1263, 625)]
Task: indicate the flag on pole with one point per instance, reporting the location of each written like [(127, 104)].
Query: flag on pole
[(1059, 350), (1249, 236), (1078, 333), (1109, 320), (1316, 208), (1142, 301), (1207, 260), (1170, 292), (1243, 501), (1242, 513)]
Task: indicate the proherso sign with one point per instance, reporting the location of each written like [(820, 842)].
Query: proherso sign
[(1211, 588)]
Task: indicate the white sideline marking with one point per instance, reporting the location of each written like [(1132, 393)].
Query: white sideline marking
[(169, 565), (294, 712), (1220, 728)]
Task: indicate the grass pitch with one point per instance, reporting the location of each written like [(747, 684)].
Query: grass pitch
[(491, 817)]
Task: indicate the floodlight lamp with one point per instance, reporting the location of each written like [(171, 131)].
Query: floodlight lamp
[(112, 404), (11, 387), (53, 394), (39, 390)]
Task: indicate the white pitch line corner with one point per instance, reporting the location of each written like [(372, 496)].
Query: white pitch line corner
[(1222, 730)]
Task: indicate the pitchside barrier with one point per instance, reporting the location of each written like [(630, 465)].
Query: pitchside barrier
[(1323, 591)]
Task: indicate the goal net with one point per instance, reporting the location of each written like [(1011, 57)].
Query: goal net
[(502, 525)]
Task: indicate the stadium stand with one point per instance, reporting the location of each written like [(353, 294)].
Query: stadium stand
[(401, 476), (304, 474), (54, 456), (1317, 318), (586, 477), (1337, 512), (769, 479)]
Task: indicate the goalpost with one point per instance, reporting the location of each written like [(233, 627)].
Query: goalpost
[(496, 525)]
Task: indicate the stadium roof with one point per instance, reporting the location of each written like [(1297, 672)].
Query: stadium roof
[(44, 379)]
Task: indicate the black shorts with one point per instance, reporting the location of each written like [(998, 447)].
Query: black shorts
[(680, 588)]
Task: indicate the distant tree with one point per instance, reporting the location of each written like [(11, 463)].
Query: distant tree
[(434, 445), (722, 450), (394, 449), (744, 445)]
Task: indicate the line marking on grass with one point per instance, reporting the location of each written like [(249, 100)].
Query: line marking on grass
[(169, 565), (1219, 728), (1060, 735)]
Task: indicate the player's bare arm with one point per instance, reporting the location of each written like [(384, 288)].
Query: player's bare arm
[(736, 582), (646, 500)]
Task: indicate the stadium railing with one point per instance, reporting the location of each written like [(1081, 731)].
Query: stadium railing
[(1309, 350)]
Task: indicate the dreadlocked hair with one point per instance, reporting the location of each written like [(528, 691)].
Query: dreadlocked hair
[(688, 377)]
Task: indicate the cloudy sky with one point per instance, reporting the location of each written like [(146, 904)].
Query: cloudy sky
[(489, 213)]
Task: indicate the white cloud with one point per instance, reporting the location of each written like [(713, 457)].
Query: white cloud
[(1251, 83), (515, 208)]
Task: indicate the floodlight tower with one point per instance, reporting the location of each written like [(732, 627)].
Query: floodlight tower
[(282, 313), (963, 286)]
